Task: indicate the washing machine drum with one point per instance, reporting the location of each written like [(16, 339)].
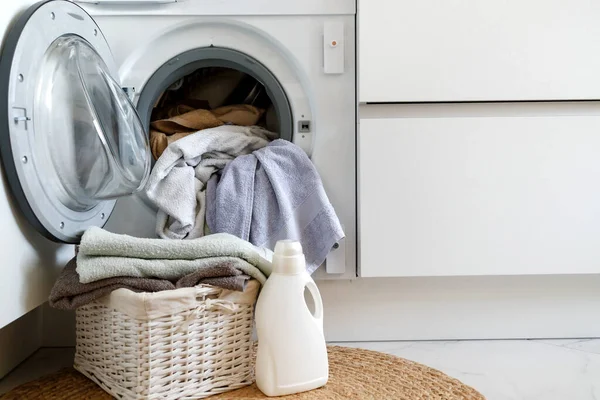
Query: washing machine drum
[(72, 141)]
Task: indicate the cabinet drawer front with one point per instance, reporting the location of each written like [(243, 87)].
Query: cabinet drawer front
[(479, 195), (470, 50)]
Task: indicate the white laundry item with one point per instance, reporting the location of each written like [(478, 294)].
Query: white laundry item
[(176, 184)]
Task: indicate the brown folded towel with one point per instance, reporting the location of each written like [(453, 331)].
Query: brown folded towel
[(185, 121), (68, 293)]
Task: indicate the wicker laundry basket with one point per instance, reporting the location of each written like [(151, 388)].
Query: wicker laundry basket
[(177, 344)]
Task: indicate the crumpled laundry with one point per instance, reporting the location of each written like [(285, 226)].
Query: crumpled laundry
[(103, 255), (275, 193), (184, 120), (69, 293), (177, 182)]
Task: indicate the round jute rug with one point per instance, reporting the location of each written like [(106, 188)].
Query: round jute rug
[(354, 374)]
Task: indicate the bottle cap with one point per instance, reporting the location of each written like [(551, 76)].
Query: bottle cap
[(288, 258)]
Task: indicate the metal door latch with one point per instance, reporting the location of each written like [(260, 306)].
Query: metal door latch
[(20, 115)]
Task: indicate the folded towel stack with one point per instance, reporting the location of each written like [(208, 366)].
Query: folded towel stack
[(69, 293), (108, 261)]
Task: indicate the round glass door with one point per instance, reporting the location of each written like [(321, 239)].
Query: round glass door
[(73, 141), (87, 133)]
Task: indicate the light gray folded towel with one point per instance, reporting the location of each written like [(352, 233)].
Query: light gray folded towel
[(103, 254), (272, 194), (176, 184)]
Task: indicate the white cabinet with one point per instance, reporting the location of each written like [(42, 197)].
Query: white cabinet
[(479, 189), (472, 50)]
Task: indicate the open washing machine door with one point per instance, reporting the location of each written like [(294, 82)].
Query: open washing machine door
[(72, 140)]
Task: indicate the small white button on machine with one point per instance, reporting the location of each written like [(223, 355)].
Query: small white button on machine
[(333, 47)]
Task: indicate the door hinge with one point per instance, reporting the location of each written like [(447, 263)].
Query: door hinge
[(335, 263), (130, 92)]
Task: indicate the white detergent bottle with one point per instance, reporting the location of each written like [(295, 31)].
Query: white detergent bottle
[(292, 354)]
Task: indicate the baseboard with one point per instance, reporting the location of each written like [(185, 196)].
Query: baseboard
[(19, 340), (500, 307)]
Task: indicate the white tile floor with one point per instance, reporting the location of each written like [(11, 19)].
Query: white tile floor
[(501, 370), (512, 369)]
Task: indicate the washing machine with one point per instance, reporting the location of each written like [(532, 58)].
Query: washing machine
[(80, 81)]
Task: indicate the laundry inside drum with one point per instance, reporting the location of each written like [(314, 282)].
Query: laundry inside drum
[(207, 98)]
